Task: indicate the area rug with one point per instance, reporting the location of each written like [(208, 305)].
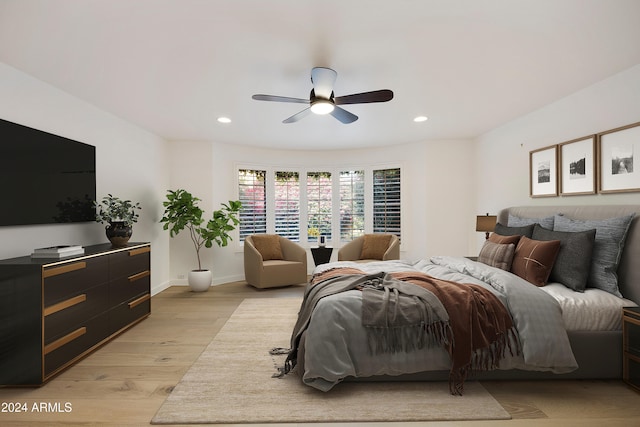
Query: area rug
[(231, 383)]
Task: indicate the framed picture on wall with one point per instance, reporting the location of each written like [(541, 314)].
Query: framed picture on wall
[(543, 172), (577, 160), (617, 149)]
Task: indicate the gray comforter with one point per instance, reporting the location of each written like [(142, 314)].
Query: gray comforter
[(335, 347)]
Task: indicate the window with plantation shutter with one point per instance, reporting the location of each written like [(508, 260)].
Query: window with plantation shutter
[(253, 195), (386, 201), (287, 205), (319, 205), (351, 205), (304, 204)]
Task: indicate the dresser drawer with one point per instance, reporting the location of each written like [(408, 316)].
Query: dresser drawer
[(124, 289), (73, 344), (631, 331), (130, 311), (631, 371), (129, 262), (63, 317), (64, 280)]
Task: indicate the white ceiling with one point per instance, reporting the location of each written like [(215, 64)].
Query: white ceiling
[(174, 66)]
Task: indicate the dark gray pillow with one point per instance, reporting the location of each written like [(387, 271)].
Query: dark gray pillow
[(607, 249), (503, 230), (516, 221), (574, 259)]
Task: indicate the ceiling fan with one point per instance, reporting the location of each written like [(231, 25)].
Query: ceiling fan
[(322, 101)]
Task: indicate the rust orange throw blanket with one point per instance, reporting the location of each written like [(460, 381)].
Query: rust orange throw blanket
[(481, 326)]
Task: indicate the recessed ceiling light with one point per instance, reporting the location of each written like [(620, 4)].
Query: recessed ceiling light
[(224, 120), (420, 119)]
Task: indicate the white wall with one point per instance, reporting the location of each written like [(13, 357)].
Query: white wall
[(503, 153), (130, 163), (437, 193)]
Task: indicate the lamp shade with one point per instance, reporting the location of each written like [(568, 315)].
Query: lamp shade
[(486, 223)]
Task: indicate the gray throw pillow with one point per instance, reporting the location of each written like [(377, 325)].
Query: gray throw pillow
[(503, 230), (516, 221), (607, 249), (574, 259)]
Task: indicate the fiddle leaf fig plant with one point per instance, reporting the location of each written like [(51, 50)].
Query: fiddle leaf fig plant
[(112, 209), (181, 211)]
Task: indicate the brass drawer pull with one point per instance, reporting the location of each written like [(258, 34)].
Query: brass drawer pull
[(65, 340), (632, 320), (64, 269), (139, 251), (137, 302), (139, 276), (63, 305)]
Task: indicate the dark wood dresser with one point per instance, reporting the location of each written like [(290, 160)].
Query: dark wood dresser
[(54, 312)]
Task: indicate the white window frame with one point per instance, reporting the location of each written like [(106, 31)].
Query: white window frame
[(339, 200), (306, 203), (300, 228), (237, 180)]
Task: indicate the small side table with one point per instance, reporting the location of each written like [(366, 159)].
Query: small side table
[(631, 346), (321, 254)]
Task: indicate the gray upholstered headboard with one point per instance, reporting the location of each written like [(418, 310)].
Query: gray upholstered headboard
[(629, 268)]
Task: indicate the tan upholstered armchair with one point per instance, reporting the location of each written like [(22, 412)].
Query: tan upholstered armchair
[(371, 247), (271, 261)]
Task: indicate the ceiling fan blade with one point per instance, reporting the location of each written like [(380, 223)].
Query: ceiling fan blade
[(343, 115), (280, 99), (298, 116), (323, 80), (383, 95)]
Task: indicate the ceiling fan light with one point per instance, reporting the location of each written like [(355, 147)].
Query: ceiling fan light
[(322, 107)]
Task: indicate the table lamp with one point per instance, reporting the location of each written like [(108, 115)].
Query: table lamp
[(486, 223)]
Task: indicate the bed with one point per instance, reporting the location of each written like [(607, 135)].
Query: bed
[(559, 332)]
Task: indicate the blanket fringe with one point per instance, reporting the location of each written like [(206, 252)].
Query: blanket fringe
[(407, 338), (485, 359), (279, 350), (281, 371)]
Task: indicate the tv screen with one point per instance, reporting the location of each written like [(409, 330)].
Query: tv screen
[(45, 178)]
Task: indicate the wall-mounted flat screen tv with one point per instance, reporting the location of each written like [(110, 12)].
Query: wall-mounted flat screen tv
[(44, 178)]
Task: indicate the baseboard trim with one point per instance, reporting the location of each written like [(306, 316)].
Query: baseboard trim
[(183, 282)]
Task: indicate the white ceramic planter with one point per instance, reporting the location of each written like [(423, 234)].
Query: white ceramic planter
[(200, 280)]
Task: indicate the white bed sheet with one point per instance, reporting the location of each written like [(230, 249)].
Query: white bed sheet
[(591, 310)]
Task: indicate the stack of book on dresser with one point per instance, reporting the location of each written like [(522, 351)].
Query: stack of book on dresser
[(61, 251)]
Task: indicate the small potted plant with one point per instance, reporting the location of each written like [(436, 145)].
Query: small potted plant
[(120, 216), (181, 211)]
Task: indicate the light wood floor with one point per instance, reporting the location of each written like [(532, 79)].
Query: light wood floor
[(125, 382)]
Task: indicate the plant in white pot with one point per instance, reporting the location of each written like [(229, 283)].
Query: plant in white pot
[(119, 215), (181, 212)]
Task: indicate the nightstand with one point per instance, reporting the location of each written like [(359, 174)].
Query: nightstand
[(631, 346), (321, 255)]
